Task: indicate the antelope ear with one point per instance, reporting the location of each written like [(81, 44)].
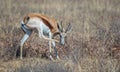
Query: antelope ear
[(68, 28), (60, 27)]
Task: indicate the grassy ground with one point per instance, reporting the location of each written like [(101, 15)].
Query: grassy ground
[(92, 46)]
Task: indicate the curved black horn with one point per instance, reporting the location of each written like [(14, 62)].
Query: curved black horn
[(60, 26), (68, 28)]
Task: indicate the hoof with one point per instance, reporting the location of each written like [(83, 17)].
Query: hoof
[(58, 58), (21, 58), (51, 58)]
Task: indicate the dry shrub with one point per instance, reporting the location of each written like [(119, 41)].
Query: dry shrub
[(93, 44), (48, 67)]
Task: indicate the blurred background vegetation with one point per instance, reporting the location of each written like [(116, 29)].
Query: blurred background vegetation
[(92, 46)]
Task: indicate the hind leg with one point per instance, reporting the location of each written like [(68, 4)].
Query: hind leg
[(25, 37)]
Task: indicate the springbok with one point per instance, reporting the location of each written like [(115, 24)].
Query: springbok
[(46, 26)]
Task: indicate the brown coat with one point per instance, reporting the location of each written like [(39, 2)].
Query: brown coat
[(50, 22)]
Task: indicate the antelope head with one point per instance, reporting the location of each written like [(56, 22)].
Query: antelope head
[(63, 32)]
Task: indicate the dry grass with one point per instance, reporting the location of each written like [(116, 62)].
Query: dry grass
[(92, 46)]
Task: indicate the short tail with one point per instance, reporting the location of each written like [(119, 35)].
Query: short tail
[(26, 19)]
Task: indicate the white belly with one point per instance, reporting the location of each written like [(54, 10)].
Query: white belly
[(46, 29)]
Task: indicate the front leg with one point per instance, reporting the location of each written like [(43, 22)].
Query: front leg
[(50, 49), (55, 50), (41, 35), (50, 37)]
